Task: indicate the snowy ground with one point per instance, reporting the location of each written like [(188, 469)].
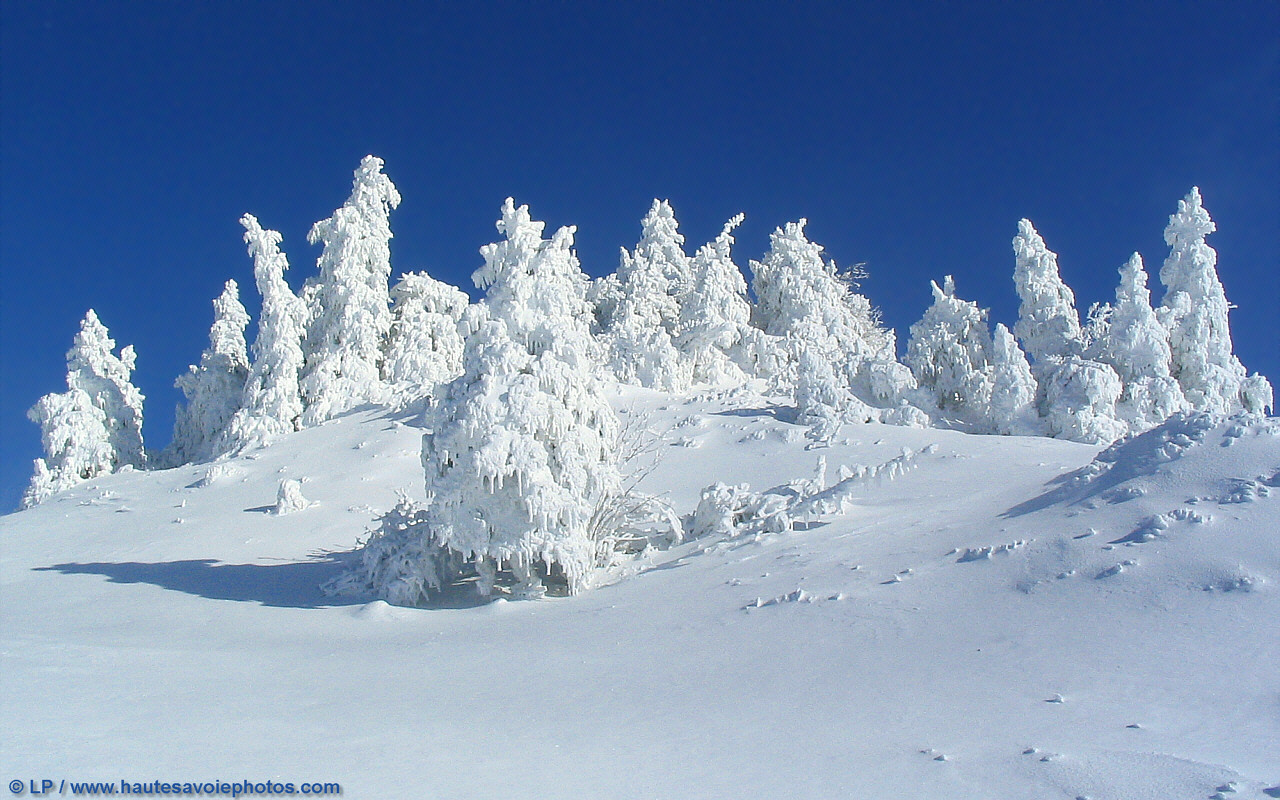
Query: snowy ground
[(1010, 619)]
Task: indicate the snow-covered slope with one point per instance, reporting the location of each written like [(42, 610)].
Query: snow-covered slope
[(1011, 618)]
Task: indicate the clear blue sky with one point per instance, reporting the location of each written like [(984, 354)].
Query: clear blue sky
[(912, 136)]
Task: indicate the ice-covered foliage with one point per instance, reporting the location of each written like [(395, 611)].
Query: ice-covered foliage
[(272, 403), (734, 510), (521, 456), (1194, 310), (1136, 345), (639, 307), (400, 562), (289, 498), (950, 354), (96, 426), (1048, 324), (214, 389), (842, 358), (349, 300), (1011, 409), (715, 329), (1080, 401), (424, 347)]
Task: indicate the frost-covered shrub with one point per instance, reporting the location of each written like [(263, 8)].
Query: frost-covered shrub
[(731, 510), (96, 426), (214, 388), (1080, 401), (1194, 310), (400, 561), (639, 308), (272, 402), (289, 497), (349, 301), (424, 346)]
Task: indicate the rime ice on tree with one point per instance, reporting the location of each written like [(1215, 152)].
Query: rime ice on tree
[(271, 404), (349, 302), (213, 389), (1194, 310), (715, 327), (812, 308), (639, 307), (424, 346), (96, 426), (1136, 345), (1048, 324), (522, 454)]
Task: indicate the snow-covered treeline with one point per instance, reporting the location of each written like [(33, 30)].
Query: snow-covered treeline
[(521, 462)]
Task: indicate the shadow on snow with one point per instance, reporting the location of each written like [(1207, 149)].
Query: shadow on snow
[(287, 585)]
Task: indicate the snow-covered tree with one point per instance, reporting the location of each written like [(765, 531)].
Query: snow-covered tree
[(1080, 401), (522, 453), (715, 329), (96, 426), (1194, 310), (424, 346), (949, 353), (1136, 345), (213, 389), (811, 306), (639, 307), (272, 403), (1048, 324), (1011, 409), (349, 311)]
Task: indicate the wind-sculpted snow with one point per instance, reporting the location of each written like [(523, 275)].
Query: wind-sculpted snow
[(912, 642)]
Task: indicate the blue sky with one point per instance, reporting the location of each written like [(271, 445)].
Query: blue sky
[(912, 136)]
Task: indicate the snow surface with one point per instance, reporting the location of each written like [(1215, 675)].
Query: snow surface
[(1010, 618)]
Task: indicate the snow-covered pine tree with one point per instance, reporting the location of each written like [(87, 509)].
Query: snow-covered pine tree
[(272, 403), (1136, 345), (1048, 324), (715, 329), (522, 454), (424, 346), (214, 389), (1012, 407), (350, 312), (810, 305), (949, 353), (639, 307), (96, 426), (1194, 310), (1076, 396)]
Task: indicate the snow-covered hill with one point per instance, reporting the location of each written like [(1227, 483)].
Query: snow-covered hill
[(1011, 618)]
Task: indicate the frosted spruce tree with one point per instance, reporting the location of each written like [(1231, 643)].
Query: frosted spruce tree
[(639, 308), (271, 403), (811, 306), (950, 355), (1194, 310), (521, 457), (1076, 396), (349, 301), (1136, 345), (96, 426), (1048, 324), (715, 327), (1012, 407), (214, 388), (424, 345)]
